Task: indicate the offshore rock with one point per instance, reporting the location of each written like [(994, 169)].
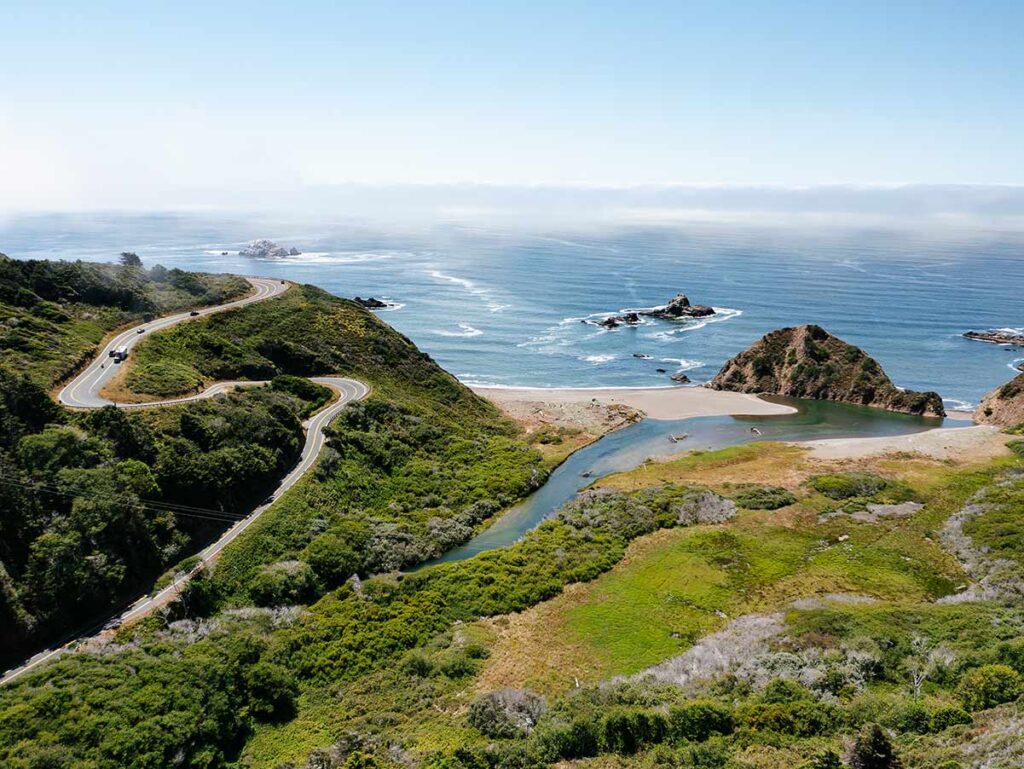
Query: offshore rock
[(808, 362)]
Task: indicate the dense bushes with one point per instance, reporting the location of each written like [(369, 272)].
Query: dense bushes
[(851, 487), (699, 719), (756, 497), (847, 485), (85, 523), (506, 713), (990, 685), (162, 705), (407, 474)]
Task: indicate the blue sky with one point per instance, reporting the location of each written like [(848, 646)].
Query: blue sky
[(102, 103)]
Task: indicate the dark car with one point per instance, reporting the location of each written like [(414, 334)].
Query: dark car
[(194, 313), (141, 331)]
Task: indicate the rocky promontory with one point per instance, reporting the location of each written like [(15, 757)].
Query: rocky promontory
[(264, 249), (680, 307), (999, 336), (808, 362), (1004, 406)]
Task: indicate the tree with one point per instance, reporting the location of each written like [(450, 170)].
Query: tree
[(873, 750), (924, 659), (130, 259)]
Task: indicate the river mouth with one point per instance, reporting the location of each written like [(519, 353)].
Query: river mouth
[(629, 447)]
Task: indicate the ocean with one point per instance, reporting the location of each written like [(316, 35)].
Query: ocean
[(504, 306)]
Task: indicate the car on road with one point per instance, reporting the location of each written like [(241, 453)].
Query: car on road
[(194, 313), (113, 624), (141, 331), (268, 500)]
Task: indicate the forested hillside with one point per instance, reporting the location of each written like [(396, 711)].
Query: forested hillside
[(54, 314), (409, 472), (84, 516)]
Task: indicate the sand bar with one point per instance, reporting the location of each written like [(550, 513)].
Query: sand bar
[(977, 443), (655, 402)]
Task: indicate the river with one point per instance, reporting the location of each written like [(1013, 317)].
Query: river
[(631, 446)]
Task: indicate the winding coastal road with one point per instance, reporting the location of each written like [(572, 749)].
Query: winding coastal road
[(84, 392)]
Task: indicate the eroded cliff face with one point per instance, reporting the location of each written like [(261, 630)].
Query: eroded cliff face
[(1004, 406), (808, 362)]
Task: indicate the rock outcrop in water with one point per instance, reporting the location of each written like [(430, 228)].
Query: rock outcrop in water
[(1004, 406), (628, 319), (996, 337), (372, 303), (808, 362), (680, 307), (264, 249)]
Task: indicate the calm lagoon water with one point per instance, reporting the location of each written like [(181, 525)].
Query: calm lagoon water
[(649, 438), (501, 306)]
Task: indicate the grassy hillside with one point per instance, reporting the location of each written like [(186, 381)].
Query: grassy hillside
[(54, 314), (408, 473)]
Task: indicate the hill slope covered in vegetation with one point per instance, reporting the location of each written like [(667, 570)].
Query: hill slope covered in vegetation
[(808, 362), (1004, 406), (85, 520)]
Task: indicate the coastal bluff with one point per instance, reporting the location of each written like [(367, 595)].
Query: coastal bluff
[(1004, 406), (808, 362)]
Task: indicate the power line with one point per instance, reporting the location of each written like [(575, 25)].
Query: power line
[(152, 506)]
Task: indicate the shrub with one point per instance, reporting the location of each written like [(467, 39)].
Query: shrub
[(826, 759), (1012, 653), (754, 497), (848, 485), (942, 718), (698, 720), (332, 558), (873, 750), (802, 719), (284, 582), (990, 685), (416, 663), (578, 739), (910, 717), (316, 395), (457, 664), (784, 690), (506, 713), (272, 692), (625, 730)]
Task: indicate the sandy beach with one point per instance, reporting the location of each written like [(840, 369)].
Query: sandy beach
[(597, 411), (976, 443), (654, 402)]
